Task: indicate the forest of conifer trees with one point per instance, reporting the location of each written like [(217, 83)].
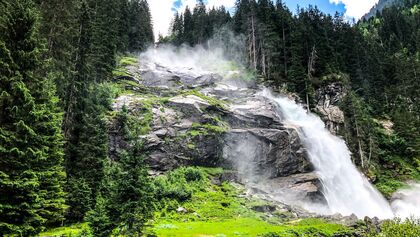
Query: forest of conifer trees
[(55, 57)]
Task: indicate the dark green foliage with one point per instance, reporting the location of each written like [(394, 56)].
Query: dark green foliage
[(31, 171), (99, 219), (126, 190), (104, 39), (197, 26), (178, 184), (98, 30), (140, 33), (88, 150)]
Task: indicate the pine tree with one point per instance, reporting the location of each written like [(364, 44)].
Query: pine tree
[(140, 26), (59, 27), (104, 40), (131, 192), (188, 36), (87, 150), (99, 218), (31, 172)]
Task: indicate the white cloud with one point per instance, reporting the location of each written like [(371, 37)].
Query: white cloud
[(356, 8), (162, 15)]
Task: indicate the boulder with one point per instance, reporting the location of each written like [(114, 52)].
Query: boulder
[(201, 81), (255, 111), (264, 208), (295, 188), (190, 105)]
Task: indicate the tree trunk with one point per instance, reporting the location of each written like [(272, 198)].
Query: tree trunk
[(254, 48), (311, 65), (284, 50), (362, 159)]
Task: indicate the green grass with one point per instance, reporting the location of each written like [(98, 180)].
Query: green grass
[(247, 227), (73, 230), (387, 186), (122, 63), (206, 129), (213, 210), (211, 100), (127, 61)]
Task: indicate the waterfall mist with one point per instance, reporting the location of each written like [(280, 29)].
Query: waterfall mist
[(407, 202)]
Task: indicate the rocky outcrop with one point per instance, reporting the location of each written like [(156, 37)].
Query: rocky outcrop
[(265, 153), (328, 99), (217, 124), (297, 187)]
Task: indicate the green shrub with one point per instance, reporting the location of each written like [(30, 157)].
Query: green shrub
[(270, 235), (193, 174), (180, 184), (399, 228)]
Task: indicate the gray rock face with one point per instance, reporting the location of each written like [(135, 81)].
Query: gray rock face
[(328, 99), (268, 153), (246, 135), (190, 105), (161, 77)]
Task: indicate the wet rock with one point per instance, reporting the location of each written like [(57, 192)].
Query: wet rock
[(227, 176), (297, 187), (151, 141), (164, 117), (160, 78), (372, 224), (201, 81), (162, 161), (264, 208), (253, 112), (265, 152), (254, 140)]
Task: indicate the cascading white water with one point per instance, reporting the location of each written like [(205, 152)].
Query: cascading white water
[(346, 190)]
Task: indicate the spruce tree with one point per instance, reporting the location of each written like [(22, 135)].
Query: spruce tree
[(104, 40), (31, 172)]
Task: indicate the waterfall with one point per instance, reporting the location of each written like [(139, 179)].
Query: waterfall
[(345, 189)]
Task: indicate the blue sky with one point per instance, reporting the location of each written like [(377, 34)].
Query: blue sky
[(163, 10), (323, 5)]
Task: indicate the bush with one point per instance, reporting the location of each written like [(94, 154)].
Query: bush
[(179, 184), (270, 235), (399, 228), (193, 174)]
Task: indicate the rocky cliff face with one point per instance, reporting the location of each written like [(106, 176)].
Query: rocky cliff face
[(204, 119), (328, 99)]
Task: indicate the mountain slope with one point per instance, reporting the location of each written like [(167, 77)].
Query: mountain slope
[(382, 4)]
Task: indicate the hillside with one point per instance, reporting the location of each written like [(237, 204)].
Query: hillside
[(382, 4)]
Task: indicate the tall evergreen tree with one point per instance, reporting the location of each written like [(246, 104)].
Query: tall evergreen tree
[(140, 26), (31, 172)]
